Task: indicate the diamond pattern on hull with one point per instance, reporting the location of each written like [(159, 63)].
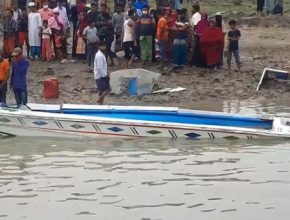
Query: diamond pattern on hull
[(5, 120), (115, 129), (39, 123), (77, 126), (192, 135), (231, 138), (153, 132)]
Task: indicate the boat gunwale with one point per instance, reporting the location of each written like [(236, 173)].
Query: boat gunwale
[(41, 108)]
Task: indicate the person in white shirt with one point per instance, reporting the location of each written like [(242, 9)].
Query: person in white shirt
[(196, 16), (101, 74), (34, 27)]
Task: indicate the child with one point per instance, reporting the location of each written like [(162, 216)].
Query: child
[(46, 42), (90, 33), (18, 80), (101, 73), (233, 45), (59, 45)]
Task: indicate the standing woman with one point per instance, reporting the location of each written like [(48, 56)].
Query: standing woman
[(80, 42), (198, 60), (9, 30), (34, 29), (180, 42), (57, 27), (211, 44), (260, 7)]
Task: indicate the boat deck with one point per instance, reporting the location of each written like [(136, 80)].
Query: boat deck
[(174, 117)]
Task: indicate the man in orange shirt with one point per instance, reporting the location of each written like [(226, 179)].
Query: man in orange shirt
[(4, 75), (162, 36)]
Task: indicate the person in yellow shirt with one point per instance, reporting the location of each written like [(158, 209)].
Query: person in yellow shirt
[(4, 75)]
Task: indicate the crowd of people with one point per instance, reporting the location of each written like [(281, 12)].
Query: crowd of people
[(135, 31)]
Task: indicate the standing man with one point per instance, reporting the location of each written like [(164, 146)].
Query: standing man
[(269, 6), (94, 13), (162, 37), (23, 32), (260, 7), (196, 16), (146, 26), (4, 75), (45, 12), (34, 28), (129, 42), (102, 22), (90, 33), (9, 30), (193, 39), (118, 21), (16, 13), (18, 80), (101, 74)]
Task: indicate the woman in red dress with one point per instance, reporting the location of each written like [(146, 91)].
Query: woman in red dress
[(211, 45)]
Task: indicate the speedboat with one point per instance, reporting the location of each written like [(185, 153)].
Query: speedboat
[(70, 120)]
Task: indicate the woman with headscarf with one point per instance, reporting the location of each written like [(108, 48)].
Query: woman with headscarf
[(211, 44), (57, 27), (9, 29), (197, 59), (80, 42)]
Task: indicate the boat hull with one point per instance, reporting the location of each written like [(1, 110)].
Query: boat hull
[(135, 122), (33, 125)]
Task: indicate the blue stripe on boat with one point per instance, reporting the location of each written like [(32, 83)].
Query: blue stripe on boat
[(174, 117)]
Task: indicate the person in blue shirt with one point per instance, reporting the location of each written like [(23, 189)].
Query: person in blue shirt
[(234, 36), (140, 4), (18, 82)]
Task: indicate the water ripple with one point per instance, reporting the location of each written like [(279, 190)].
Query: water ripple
[(152, 206)]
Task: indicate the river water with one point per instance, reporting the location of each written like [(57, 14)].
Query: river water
[(148, 179)]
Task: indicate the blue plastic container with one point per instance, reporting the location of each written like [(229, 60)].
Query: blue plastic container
[(133, 86)]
